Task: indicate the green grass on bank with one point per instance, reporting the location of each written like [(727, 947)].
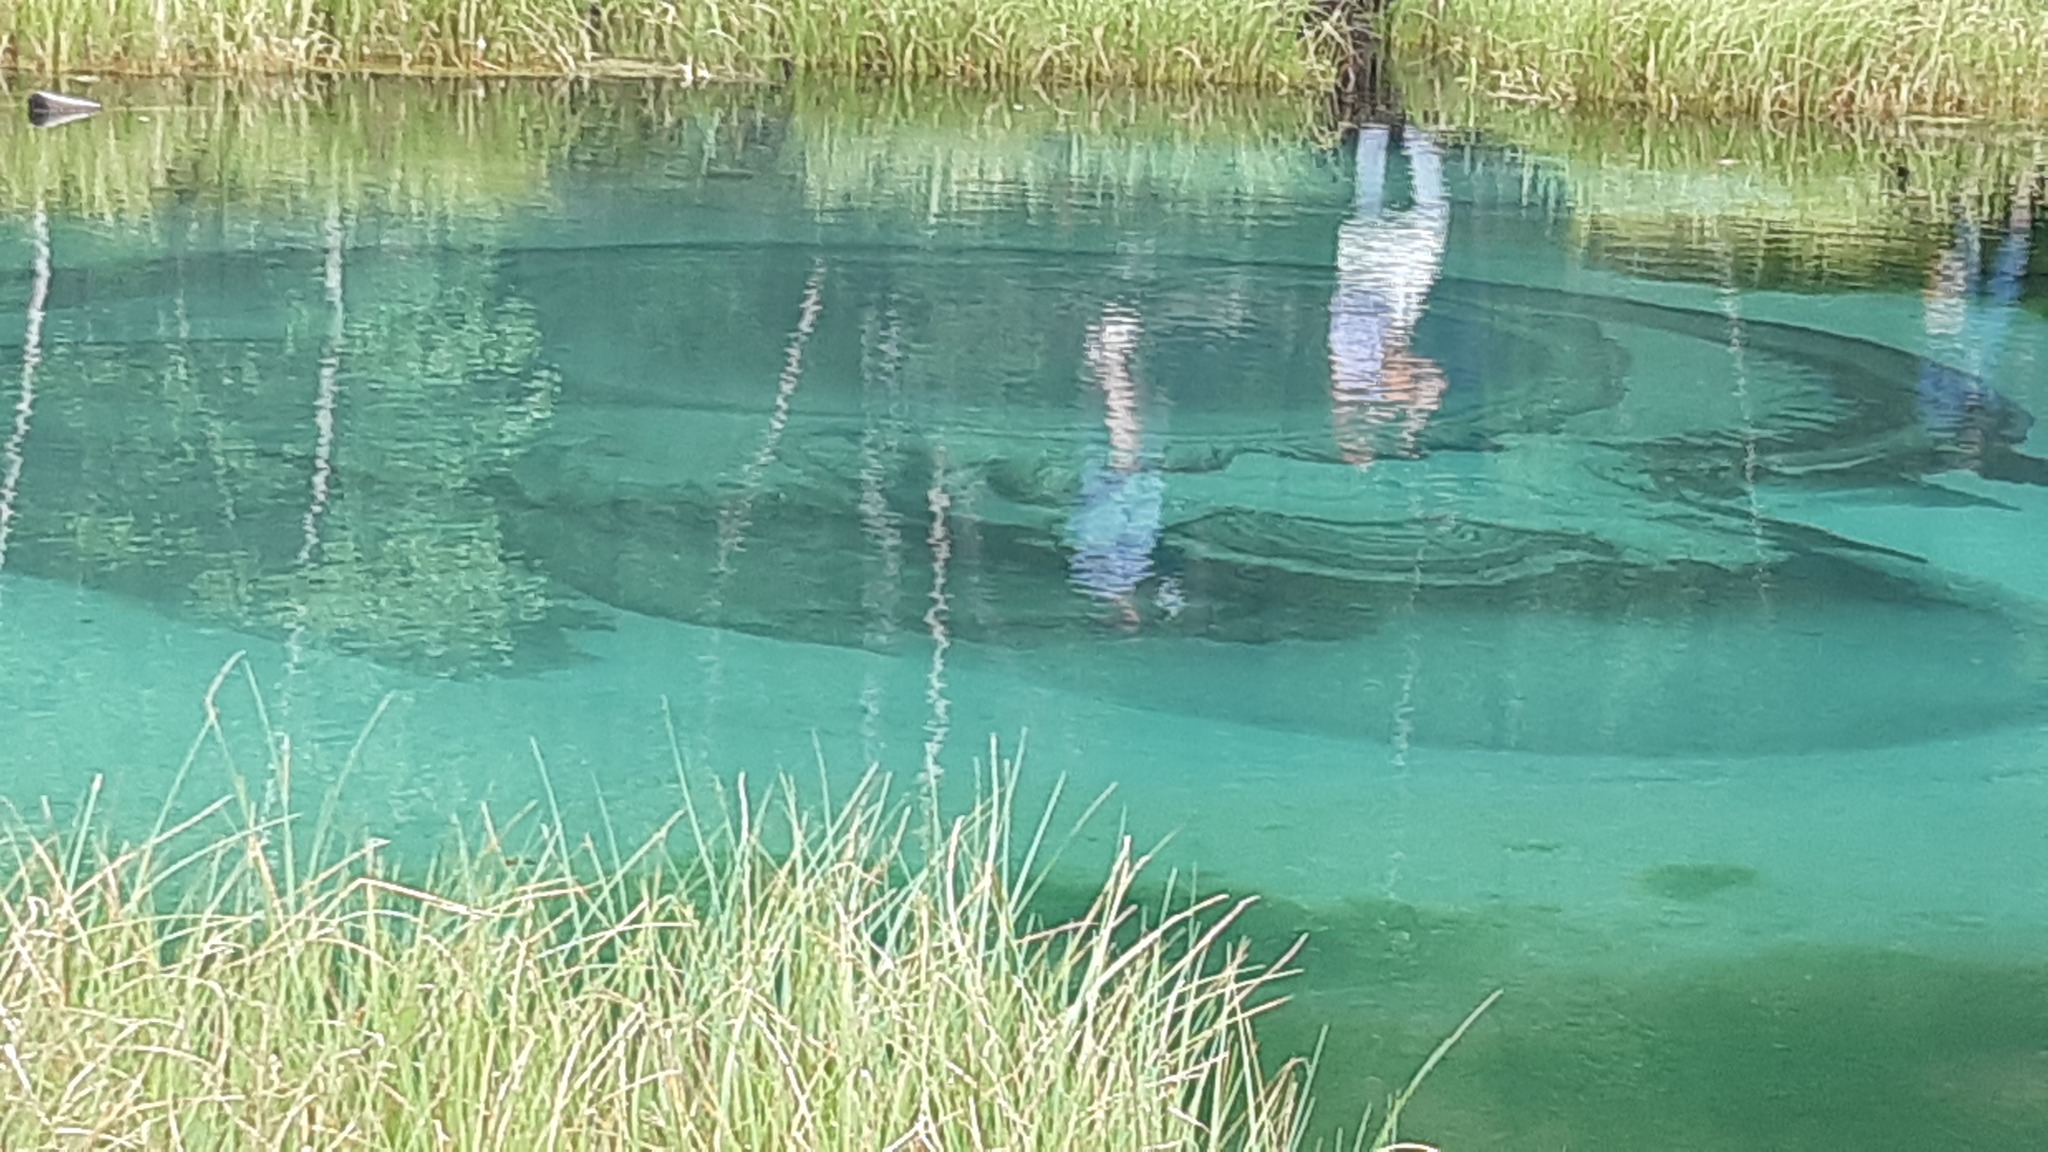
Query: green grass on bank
[(1799, 58), (1808, 58), (1268, 44), (768, 975)]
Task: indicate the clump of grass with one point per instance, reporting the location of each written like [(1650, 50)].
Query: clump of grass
[(1281, 44), (1809, 58), (857, 977)]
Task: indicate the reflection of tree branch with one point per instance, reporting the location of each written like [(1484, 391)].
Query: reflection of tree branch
[(324, 398), (939, 539), (11, 457), (323, 424), (406, 565), (733, 519), (735, 516), (880, 443), (407, 562), (1738, 360)]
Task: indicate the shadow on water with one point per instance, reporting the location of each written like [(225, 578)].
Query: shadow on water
[(1789, 1048), (1786, 1047)]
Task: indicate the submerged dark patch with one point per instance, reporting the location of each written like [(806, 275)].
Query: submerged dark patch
[(1689, 882), (1793, 1047)]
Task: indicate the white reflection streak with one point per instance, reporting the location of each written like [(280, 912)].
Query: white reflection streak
[(734, 517), (879, 443), (732, 523), (940, 539), (324, 398), (1402, 715), (1738, 356), (31, 357)]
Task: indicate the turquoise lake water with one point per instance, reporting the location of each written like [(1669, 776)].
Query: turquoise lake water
[(1628, 609)]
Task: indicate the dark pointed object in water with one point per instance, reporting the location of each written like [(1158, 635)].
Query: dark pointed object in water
[(49, 109)]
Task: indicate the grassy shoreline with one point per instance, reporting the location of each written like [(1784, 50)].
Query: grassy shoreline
[(1274, 45), (1791, 59), (1803, 59), (769, 975), (772, 966)]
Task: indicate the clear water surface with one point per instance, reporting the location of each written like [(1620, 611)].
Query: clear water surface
[(1507, 603)]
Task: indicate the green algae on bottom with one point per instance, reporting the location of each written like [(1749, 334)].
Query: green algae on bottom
[(1789, 1048)]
